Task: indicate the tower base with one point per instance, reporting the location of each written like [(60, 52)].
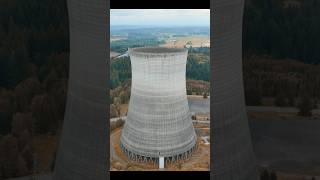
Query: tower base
[(170, 159)]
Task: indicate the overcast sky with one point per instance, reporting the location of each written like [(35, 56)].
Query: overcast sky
[(160, 17)]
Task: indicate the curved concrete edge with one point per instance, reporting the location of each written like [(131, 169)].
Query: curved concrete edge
[(84, 145), (231, 147)]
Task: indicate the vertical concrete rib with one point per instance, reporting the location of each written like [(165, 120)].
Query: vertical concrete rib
[(232, 157), (82, 153)]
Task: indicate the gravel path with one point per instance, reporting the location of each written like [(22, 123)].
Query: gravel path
[(113, 138)]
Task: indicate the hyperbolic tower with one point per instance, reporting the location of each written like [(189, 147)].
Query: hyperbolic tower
[(83, 148), (232, 157), (158, 122), (84, 145)]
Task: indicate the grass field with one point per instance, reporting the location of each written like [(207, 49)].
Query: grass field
[(117, 38), (197, 41)]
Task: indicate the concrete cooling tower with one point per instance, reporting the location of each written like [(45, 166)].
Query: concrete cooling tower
[(83, 148), (158, 123), (232, 153)]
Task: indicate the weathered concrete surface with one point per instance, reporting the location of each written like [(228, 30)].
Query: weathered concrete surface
[(84, 144), (232, 153), (196, 106), (158, 121)]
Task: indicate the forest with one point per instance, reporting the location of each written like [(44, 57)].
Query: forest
[(34, 65), (281, 45), (283, 29), (285, 82)]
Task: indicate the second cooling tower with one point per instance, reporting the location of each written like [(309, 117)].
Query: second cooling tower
[(158, 122)]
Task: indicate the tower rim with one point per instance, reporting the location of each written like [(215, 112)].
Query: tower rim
[(156, 51)]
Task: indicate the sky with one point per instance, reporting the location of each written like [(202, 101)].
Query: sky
[(160, 17)]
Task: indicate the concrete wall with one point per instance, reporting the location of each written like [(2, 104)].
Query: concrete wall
[(232, 154), (83, 148), (158, 121)]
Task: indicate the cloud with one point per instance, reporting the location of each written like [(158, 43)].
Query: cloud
[(160, 17)]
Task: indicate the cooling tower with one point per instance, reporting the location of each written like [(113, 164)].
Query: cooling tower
[(83, 148), (158, 121), (232, 156)]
